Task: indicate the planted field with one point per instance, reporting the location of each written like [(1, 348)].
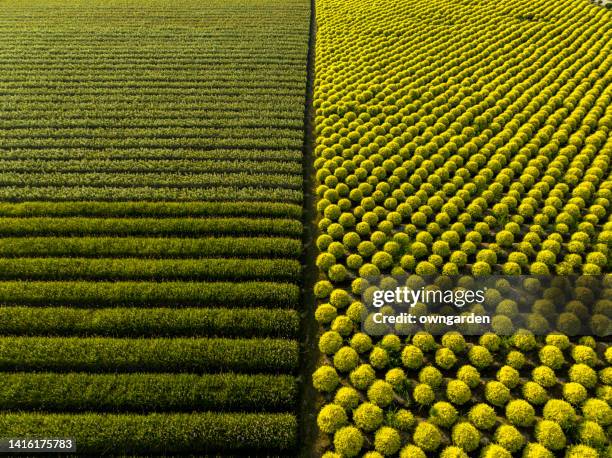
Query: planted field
[(151, 223), (464, 138)]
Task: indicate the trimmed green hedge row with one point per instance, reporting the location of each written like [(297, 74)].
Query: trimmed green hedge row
[(152, 180), (144, 142), (148, 226), (159, 434), (149, 269), (141, 247), (79, 392), (152, 194), (153, 154), (100, 294), (147, 165), (151, 322), (113, 133), (151, 209), (93, 354)]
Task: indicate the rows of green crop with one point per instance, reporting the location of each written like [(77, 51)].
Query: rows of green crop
[(82, 392), (264, 168), (191, 355), (146, 247), (129, 180), (149, 322), (134, 293), (149, 269), (159, 194), (153, 209), (160, 434), (40, 226)]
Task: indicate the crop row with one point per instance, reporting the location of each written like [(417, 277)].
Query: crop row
[(72, 154), (261, 168), (151, 132), (149, 322), (151, 194), (153, 180), (41, 226), (149, 269), (151, 209), (168, 294), (145, 142), (80, 392), (159, 434), (96, 354), (139, 247)]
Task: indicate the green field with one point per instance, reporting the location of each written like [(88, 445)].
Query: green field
[(151, 221)]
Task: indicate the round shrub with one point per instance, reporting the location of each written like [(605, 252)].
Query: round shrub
[(427, 436), (330, 342), (445, 358), (598, 411), (362, 377), (347, 397), (387, 441), (412, 451), (545, 376), (412, 357), (361, 342), (325, 313), (535, 450), (508, 376), (391, 343), (520, 413), (331, 455), (423, 394), (379, 358), (368, 417), (373, 455), (346, 359), (331, 418), (343, 325), (515, 359), (325, 379), (482, 416), (348, 441), (458, 392), (454, 341), (381, 393), (583, 374), (497, 393), (574, 393), (591, 433), (560, 412), (550, 435), (582, 451), (558, 340), (584, 355), (535, 393), (396, 377), (431, 376), (443, 414), (453, 452), (424, 341), (510, 438), (480, 357), (524, 340), (466, 436), (495, 451), (401, 419), (323, 289), (551, 356), (469, 375)]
